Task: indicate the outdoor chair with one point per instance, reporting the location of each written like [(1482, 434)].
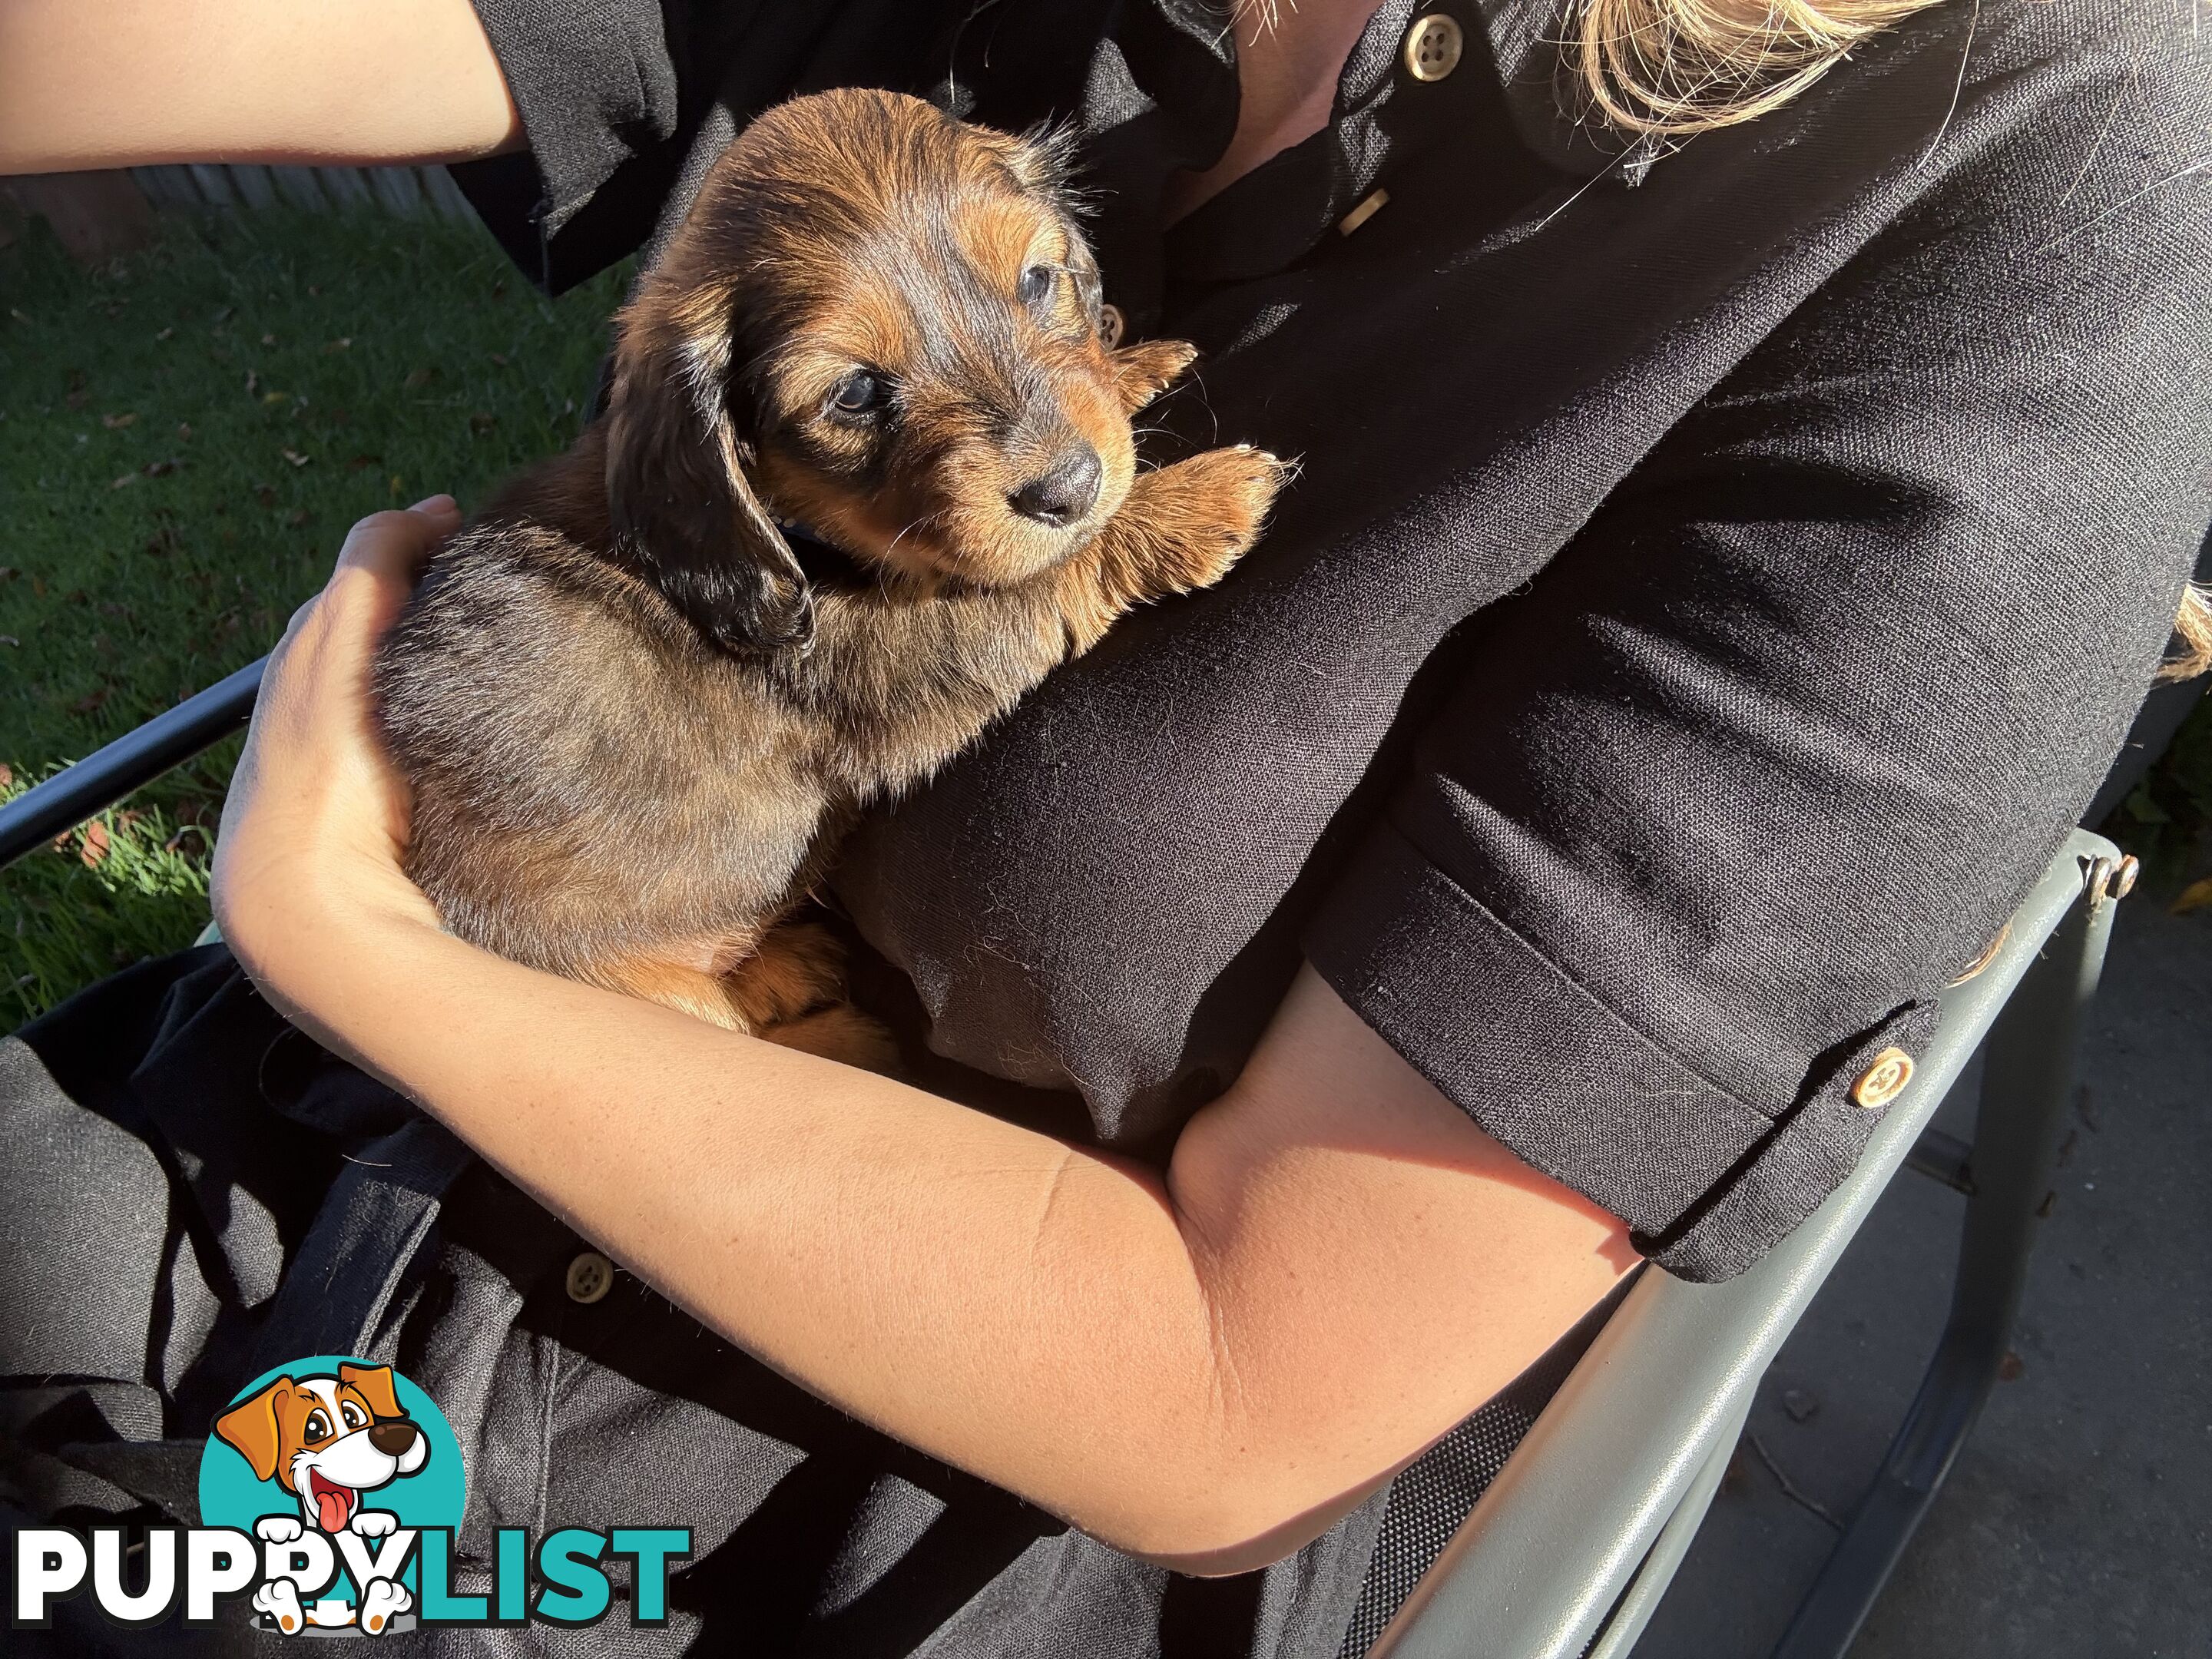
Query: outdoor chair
[(1570, 1549)]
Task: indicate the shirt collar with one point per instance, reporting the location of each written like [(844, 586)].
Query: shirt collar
[(1382, 120)]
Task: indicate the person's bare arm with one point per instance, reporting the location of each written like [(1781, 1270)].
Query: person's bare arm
[(106, 84), (1207, 1370)]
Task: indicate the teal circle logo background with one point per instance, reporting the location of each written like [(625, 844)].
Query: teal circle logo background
[(433, 1496)]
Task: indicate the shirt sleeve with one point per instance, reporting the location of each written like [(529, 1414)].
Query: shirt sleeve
[(1770, 752), (625, 103), (597, 85)]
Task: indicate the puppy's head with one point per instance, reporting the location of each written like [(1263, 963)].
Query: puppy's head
[(882, 324)]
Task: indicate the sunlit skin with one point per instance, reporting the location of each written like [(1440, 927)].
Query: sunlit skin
[(1288, 58)]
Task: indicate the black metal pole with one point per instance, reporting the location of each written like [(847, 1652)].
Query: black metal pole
[(131, 762)]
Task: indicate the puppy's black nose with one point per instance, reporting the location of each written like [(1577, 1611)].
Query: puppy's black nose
[(393, 1438), (1064, 494)]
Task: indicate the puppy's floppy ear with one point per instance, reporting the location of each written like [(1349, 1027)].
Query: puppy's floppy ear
[(682, 510), (249, 1428), (374, 1382)]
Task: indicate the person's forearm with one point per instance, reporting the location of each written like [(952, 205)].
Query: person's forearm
[(1031, 1312), (1206, 1370), (101, 83)]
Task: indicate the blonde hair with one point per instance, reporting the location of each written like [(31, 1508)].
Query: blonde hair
[(1670, 67), (2194, 626)]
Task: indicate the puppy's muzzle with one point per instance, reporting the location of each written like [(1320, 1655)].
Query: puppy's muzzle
[(1064, 492)]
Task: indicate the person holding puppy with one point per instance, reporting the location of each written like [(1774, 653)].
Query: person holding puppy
[(1748, 468)]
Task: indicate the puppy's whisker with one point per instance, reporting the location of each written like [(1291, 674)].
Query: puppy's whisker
[(914, 525)]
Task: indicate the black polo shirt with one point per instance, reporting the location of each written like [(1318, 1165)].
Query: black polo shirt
[(1713, 581)]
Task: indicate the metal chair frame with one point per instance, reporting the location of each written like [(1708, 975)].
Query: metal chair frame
[(1570, 1549)]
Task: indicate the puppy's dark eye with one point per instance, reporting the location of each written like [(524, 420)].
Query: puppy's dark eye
[(1035, 285), (318, 1427), (859, 394), (355, 1417)]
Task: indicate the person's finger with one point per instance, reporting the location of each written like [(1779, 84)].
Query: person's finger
[(394, 546)]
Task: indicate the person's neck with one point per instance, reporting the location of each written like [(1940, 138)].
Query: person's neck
[(1289, 57)]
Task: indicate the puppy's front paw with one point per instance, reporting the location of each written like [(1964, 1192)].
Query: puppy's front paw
[(1142, 372), (277, 1528), (375, 1524), (382, 1598), (280, 1599), (1221, 499)]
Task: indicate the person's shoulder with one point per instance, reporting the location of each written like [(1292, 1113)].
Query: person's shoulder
[(2137, 39), (2121, 85), (2000, 133)]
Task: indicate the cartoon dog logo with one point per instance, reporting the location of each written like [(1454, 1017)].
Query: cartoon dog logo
[(327, 1440)]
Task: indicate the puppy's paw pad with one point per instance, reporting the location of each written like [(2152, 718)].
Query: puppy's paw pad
[(375, 1524), (277, 1528)]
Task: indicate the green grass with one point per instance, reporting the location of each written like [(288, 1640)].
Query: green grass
[(184, 437)]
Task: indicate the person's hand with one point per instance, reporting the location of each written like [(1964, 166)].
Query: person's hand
[(317, 816)]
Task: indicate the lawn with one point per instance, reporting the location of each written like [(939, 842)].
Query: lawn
[(184, 437)]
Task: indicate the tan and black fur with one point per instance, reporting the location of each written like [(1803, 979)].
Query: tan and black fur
[(632, 723)]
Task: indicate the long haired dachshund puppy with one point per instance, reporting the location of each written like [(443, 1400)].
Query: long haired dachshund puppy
[(633, 716)]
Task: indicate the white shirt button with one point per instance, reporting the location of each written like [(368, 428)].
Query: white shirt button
[(590, 1276), (1433, 46)]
